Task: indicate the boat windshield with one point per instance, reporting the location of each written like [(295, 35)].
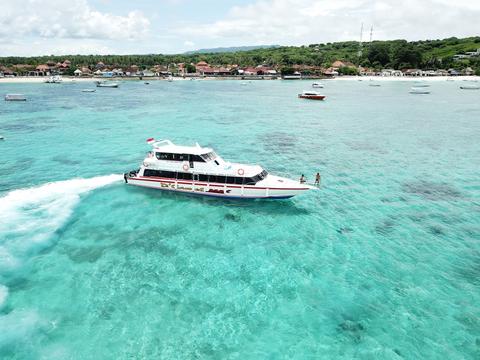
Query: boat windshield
[(209, 156), (260, 176)]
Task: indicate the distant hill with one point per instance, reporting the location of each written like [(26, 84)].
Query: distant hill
[(377, 55), (230, 49)]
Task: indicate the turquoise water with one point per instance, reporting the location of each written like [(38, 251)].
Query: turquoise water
[(383, 262)]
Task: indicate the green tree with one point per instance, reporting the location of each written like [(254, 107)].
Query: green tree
[(190, 69), (406, 55), (348, 70), (287, 70), (378, 52)]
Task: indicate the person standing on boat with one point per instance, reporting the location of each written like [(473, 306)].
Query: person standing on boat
[(302, 179), (317, 179)]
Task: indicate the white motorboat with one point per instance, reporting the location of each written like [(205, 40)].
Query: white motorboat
[(374, 84), (56, 79), (416, 90), (470, 87), (317, 85), (89, 90), (15, 97), (107, 84), (200, 171)]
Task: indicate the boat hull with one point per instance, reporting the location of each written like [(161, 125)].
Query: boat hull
[(312, 97), (215, 190)]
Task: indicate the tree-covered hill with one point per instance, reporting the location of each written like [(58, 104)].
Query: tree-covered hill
[(398, 54)]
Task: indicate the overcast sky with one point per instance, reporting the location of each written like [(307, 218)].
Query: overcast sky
[(43, 27)]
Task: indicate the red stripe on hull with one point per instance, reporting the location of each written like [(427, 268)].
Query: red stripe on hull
[(142, 178)]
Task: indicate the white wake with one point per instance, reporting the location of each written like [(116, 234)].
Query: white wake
[(28, 217)]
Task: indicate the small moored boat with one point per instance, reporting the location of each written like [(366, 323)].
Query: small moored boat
[(316, 85), (470, 87), (311, 95), (200, 171), (89, 90), (56, 79), (415, 90), (15, 97), (107, 84)]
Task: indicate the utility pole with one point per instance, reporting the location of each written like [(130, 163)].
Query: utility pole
[(360, 50)]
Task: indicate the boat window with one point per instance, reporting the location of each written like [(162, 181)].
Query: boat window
[(168, 174), (209, 156), (148, 172), (161, 156), (230, 180), (181, 157), (196, 158), (239, 180), (221, 179), (250, 181), (203, 177)]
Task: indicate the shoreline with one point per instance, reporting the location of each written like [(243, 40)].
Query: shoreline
[(41, 79)]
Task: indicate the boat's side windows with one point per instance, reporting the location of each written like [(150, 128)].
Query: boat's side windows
[(148, 172), (181, 157), (250, 181), (196, 158), (167, 174), (239, 180), (203, 177), (230, 180), (162, 156), (221, 179)]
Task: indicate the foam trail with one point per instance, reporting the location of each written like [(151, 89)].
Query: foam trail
[(28, 217)]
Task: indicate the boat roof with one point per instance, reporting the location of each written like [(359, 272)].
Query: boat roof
[(169, 147)]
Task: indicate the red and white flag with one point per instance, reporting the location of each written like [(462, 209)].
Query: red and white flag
[(150, 140)]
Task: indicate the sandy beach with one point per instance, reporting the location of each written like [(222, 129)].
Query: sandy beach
[(408, 78), (40, 79)]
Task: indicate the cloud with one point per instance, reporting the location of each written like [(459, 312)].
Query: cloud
[(73, 19), (293, 22), (188, 43)]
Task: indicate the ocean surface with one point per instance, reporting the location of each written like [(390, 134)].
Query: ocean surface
[(382, 262)]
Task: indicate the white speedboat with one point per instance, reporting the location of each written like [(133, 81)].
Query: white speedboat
[(317, 85), (107, 84), (89, 90), (416, 90), (200, 171), (15, 97), (57, 79), (470, 87)]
